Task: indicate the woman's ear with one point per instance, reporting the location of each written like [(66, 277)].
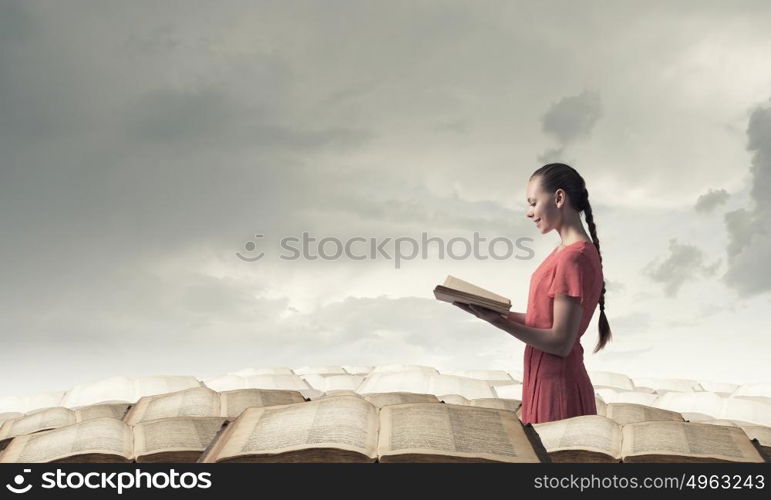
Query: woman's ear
[(559, 197)]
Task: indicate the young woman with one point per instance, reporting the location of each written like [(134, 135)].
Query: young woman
[(564, 293)]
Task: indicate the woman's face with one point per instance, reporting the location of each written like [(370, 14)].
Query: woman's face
[(542, 206)]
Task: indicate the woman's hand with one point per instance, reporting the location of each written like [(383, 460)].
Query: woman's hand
[(482, 312)]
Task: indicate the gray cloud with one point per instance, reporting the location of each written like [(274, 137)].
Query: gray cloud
[(569, 119), (573, 117), (684, 262), (213, 118), (711, 200), (749, 230), (741, 225)]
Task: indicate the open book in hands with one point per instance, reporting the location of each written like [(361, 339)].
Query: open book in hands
[(457, 290)]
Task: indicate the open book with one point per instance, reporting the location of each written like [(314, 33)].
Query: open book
[(106, 439), (757, 411), (632, 413), (57, 416), (351, 429), (125, 389), (204, 402), (25, 404), (761, 433), (595, 438), (457, 290)]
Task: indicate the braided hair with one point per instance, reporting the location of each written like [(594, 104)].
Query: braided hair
[(560, 176)]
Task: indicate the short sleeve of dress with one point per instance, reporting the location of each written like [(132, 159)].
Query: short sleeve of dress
[(569, 275)]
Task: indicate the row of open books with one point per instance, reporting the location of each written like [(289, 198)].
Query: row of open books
[(200, 424), (314, 381)]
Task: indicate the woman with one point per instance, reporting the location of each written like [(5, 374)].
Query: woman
[(564, 292)]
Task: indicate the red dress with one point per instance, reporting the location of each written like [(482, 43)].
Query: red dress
[(554, 387)]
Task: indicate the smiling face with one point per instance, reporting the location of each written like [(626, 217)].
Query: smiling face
[(543, 207)]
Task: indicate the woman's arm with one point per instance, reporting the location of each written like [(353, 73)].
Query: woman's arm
[(557, 340), (517, 317), (543, 339)]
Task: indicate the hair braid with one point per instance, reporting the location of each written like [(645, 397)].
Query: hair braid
[(605, 333)]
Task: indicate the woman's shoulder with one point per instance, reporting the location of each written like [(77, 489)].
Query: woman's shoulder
[(585, 257), (581, 253), (577, 249)]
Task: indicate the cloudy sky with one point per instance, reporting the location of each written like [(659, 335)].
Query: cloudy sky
[(146, 144)]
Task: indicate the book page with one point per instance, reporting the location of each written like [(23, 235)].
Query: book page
[(328, 383), (153, 385), (453, 399), (689, 439), (696, 417), (720, 421), (757, 389), (175, 434), (341, 393), (469, 388), (409, 381), (630, 413), (451, 296), (756, 410), (111, 388), (453, 430), (499, 403), (611, 379), (493, 377), (635, 397), (319, 370), (196, 402), (698, 402), (32, 402), (601, 406), (269, 370), (48, 418), (759, 432), (509, 391), (357, 369), (586, 432), (668, 384), (344, 422), (9, 415), (232, 403), (100, 435), (397, 368), (112, 410), (466, 287), (396, 398), (286, 382)]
